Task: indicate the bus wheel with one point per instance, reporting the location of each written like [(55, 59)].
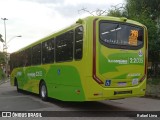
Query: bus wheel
[(18, 90), (43, 91)]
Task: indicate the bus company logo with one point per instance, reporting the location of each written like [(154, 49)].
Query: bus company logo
[(35, 74), (140, 53), (118, 61), (134, 74)]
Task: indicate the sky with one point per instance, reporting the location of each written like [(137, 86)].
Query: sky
[(35, 19)]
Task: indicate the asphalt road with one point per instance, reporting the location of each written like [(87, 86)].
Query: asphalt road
[(11, 100)]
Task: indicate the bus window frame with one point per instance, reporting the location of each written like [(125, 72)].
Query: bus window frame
[(74, 46), (114, 46)]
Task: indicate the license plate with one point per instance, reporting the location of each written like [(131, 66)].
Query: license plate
[(122, 84)]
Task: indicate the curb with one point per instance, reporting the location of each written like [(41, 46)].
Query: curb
[(153, 91), (152, 96)]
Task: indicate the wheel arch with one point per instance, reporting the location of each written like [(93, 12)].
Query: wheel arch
[(15, 81), (41, 81)]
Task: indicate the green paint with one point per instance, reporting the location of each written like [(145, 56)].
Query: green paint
[(62, 81)]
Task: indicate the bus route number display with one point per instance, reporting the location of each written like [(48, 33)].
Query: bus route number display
[(133, 37)]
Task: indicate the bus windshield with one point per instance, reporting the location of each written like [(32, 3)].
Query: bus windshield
[(121, 35)]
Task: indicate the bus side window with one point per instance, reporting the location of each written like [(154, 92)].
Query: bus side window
[(64, 47), (27, 58), (78, 43), (48, 51), (16, 60), (36, 54), (21, 58)]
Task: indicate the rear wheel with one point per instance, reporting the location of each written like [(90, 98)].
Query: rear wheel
[(43, 91), (16, 84)]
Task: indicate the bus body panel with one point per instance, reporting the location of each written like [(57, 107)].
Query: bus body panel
[(96, 92), (125, 69), (119, 67), (63, 81)]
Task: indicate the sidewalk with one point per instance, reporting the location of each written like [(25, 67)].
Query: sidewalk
[(4, 81)]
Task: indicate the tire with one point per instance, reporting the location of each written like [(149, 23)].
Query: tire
[(18, 90), (43, 91)]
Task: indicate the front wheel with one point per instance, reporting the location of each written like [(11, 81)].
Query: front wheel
[(43, 91)]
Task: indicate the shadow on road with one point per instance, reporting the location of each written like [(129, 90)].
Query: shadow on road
[(82, 106)]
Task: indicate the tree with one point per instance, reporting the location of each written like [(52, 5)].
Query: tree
[(1, 40), (2, 62), (117, 10), (2, 58), (97, 12), (146, 12)]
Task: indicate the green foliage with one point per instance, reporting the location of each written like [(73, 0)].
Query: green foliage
[(2, 61), (153, 81), (2, 58), (0, 74), (152, 31), (116, 13)]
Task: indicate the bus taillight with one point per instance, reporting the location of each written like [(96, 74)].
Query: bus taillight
[(142, 78)]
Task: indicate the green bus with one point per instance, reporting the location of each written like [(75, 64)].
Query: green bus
[(97, 58)]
